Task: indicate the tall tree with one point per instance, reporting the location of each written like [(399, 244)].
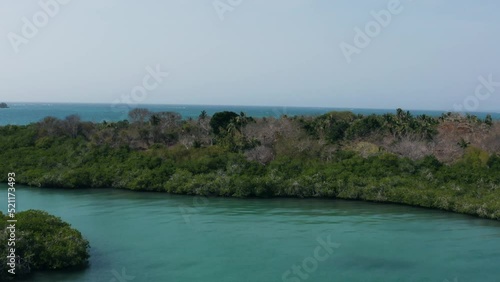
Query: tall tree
[(139, 115), (221, 120)]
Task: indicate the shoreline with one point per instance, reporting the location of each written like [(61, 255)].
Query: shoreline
[(386, 202), (450, 163)]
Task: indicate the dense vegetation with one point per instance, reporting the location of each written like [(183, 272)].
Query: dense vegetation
[(43, 242), (450, 163)]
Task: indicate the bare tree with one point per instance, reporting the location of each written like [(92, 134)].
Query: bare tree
[(412, 148), (268, 131), (261, 154), (169, 121), (71, 124), (139, 115), (49, 126), (187, 140)]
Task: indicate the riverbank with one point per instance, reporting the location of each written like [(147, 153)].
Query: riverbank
[(418, 161)]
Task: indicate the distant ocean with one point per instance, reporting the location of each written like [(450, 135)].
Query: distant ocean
[(25, 113)]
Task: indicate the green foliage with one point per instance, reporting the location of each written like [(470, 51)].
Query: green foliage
[(494, 162), (475, 157), (221, 120), (203, 115), (463, 144), (364, 127), (430, 162), (343, 126), (488, 120), (15, 136), (154, 120), (366, 148), (43, 242), (331, 126), (333, 155), (405, 124)]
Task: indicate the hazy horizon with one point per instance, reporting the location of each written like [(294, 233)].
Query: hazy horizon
[(250, 106), (416, 55)]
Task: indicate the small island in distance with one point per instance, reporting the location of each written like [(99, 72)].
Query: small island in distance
[(3, 106)]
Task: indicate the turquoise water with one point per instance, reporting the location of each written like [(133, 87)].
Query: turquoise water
[(25, 113), (161, 237)]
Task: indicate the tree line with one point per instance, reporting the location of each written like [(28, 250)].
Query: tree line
[(449, 162)]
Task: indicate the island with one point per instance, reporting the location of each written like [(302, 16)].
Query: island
[(450, 162), (3, 106), (42, 242)]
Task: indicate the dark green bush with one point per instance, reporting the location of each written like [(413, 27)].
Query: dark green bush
[(43, 242)]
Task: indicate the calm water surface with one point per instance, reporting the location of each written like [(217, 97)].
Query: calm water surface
[(25, 113), (160, 237)]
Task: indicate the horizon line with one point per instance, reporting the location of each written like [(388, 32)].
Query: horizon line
[(266, 106)]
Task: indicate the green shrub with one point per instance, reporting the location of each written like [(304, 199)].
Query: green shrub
[(43, 242), (221, 120)]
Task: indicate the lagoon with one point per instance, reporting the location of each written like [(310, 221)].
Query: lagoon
[(139, 236)]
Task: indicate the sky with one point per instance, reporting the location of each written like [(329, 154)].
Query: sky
[(420, 54)]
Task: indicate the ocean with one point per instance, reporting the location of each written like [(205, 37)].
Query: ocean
[(26, 113)]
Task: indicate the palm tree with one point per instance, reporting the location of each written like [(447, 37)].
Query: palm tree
[(231, 128), (203, 115), (463, 144), (154, 120), (488, 120)]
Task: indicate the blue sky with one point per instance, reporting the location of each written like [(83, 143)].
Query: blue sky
[(277, 53)]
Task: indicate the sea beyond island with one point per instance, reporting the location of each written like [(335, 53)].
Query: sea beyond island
[(25, 113)]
